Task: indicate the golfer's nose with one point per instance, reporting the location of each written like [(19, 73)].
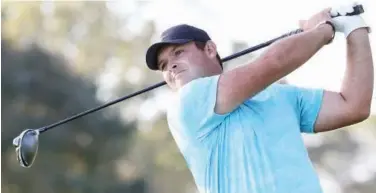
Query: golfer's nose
[(173, 67)]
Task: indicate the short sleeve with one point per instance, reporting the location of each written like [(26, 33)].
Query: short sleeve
[(195, 107), (306, 103), (309, 103)]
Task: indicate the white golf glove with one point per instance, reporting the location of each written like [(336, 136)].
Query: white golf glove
[(347, 24)]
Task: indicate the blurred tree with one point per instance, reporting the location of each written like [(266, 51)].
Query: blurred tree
[(82, 156)]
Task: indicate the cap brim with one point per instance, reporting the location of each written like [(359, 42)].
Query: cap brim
[(152, 52)]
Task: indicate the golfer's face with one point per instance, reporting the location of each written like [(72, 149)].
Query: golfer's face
[(181, 63)]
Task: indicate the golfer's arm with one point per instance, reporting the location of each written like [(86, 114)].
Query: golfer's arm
[(352, 104), (279, 60)]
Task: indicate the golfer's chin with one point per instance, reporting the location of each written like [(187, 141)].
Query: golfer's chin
[(180, 82)]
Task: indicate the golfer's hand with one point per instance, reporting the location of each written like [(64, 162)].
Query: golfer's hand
[(315, 20), (347, 24)]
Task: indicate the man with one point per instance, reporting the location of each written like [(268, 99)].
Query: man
[(239, 131)]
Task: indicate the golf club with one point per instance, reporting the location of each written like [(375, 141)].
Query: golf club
[(27, 142)]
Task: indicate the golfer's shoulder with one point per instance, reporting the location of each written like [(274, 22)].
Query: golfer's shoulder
[(201, 83), (199, 88), (196, 96)]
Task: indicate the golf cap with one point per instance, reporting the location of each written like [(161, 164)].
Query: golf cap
[(179, 34)]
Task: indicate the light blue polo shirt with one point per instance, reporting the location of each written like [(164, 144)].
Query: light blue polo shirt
[(257, 148)]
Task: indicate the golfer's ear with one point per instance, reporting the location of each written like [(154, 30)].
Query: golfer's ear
[(211, 49)]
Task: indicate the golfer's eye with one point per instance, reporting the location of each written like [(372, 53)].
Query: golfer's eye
[(178, 52), (163, 67)]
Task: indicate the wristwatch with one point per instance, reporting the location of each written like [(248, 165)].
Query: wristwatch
[(332, 25)]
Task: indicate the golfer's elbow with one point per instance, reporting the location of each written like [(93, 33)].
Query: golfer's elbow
[(364, 107), (364, 114), (359, 113)]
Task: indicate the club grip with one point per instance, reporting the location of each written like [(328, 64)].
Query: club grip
[(358, 9)]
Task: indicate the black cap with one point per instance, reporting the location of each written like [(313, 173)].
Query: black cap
[(179, 34)]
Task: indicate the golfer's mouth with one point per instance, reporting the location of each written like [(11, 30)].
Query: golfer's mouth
[(177, 74)]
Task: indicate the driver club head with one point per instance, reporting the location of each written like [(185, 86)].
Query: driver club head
[(27, 147)]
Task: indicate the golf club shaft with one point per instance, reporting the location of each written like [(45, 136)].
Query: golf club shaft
[(238, 54), (357, 10)]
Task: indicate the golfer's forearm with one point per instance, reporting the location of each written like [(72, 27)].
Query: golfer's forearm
[(289, 54), (357, 85)]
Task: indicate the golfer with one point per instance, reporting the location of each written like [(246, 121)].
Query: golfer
[(240, 131)]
